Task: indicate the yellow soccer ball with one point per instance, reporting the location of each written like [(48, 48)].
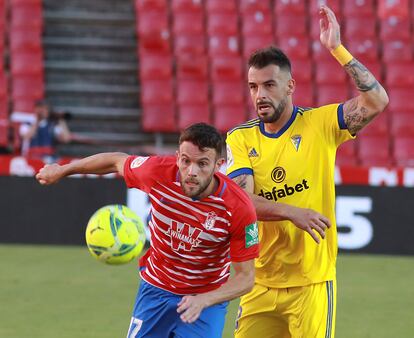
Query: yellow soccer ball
[(115, 235)]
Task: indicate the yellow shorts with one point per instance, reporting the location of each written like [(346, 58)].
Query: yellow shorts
[(297, 312)]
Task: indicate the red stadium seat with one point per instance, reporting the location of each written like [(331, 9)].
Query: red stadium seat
[(24, 105), (186, 6), (228, 117), (328, 94), (400, 100), (27, 15), (249, 6), (400, 74), (335, 5), (297, 47), (330, 72), (228, 93), (152, 22), (361, 27), (226, 68), (159, 92), (302, 70), (397, 50), (159, 118), (394, 28), (3, 85), (290, 7), (379, 127), (258, 23), (192, 68), (25, 40), (396, 8), (190, 44), (402, 124), (220, 6), (4, 108), (192, 92), (153, 32), (364, 49), (352, 8), (224, 45), (155, 67), (188, 23), (189, 114), (27, 63), (374, 151), (27, 87), (4, 132), (291, 25), (151, 5), (403, 151), (254, 42), (223, 24), (303, 95), (319, 52), (346, 154)]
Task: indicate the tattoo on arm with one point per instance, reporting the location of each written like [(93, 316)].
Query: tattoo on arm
[(241, 181), (355, 116), (363, 78)]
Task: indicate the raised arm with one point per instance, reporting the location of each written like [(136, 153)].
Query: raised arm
[(305, 219), (103, 163), (372, 98)]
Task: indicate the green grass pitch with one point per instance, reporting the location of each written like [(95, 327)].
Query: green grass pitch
[(51, 291)]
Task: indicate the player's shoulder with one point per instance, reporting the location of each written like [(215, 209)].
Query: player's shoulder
[(304, 111), (250, 125), (156, 164), (233, 195)]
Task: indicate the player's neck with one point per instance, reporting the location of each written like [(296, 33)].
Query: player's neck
[(274, 127)]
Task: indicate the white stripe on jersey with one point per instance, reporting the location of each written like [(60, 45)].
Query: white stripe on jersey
[(189, 199), (190, 207), (174, 279), (167, 219)]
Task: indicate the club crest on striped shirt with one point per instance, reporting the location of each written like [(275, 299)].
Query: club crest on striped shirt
[(296, 141), (210, 220)]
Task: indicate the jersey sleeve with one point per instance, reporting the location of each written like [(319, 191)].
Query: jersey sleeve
[(238, 162), (331, 122), (139, 172), (244, 240)]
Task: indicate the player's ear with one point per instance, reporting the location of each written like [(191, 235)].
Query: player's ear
[(177, 154), (219, 164), (291, 86)]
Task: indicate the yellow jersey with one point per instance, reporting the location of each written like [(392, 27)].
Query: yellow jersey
[(293, 166)]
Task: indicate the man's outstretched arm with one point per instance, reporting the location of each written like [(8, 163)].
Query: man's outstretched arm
[(103, 163), (305, 219)]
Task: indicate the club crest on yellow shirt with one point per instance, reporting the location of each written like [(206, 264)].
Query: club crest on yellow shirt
[(296, 141)]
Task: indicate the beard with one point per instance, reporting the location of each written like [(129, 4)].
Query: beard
[(277, 112), (196, 190)]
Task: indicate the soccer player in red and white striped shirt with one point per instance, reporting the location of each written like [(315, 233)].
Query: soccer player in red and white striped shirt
[(201, 223)]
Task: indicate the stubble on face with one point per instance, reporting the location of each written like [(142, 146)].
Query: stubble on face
[(277, 111)]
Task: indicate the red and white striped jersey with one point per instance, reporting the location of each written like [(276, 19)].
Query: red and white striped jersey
[(193, 242)]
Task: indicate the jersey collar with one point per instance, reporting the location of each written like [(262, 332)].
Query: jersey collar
[(283, 129)]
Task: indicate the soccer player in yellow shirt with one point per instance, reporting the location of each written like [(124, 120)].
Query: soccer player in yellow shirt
[(286, 157)]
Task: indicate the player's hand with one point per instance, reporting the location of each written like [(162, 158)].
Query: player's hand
[(49, 174), (190, 307), (310, 221), (330, 34)]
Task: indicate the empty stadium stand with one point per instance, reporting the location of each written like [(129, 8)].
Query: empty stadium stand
[(137, 71)]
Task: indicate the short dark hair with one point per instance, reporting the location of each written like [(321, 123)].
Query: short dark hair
[(203, 136), (269, 56)]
